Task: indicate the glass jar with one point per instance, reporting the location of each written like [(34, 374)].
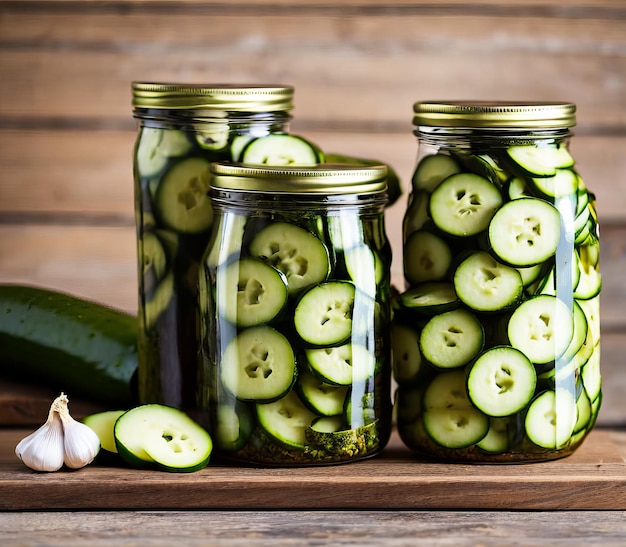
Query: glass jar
[(182, 129), (496, 337), (295, 307)]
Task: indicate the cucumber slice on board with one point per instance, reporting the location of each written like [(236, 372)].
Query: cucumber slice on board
[(255, 292), (286, 420), (103, 423), (299, 254), (323, 315), (258, 365), (484, 284), (542, 328), (452, 339), (279, 149), (501, 381), (154, 434), (525, 232), (432, 170), (463, 204), (181, 197)]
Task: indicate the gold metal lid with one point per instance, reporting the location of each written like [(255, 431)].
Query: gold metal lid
[(322, 179), (502, 114), (243, 98)]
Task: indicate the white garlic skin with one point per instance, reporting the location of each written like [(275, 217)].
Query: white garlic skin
[(81, 444), (43, 449)]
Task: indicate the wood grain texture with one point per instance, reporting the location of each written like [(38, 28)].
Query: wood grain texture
[(594, 477), (259, 528)]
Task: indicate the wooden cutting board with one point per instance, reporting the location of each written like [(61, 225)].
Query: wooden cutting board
[(592, 478)]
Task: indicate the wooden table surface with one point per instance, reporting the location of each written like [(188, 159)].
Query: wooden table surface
[(390, 500)]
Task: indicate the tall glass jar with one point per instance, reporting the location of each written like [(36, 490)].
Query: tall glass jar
[(182, 129), (496, 338), (295, 307)]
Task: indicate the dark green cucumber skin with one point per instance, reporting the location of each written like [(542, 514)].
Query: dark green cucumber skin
[(70, 344)]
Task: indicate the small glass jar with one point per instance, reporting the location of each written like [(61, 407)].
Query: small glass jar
[(295, 306), (182, 129), (496, 337)]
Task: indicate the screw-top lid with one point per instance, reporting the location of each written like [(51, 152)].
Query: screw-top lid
[(243, 98), (323, 179), (499, 114)]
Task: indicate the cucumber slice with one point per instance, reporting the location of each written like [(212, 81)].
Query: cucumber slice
[(592, 379), (326, 424), (432, 170), (158, 300), (320, 397), (258, 365), (525, 232), (517, 188), (484, 284), (323, 315), (254, 292), (417, 214), (342, 365), (103, 423), (463, 204), (215, 137), (551, 419), (154, 434), (564, 182), (286, 420), (540, 161), (590, 282), (430, 298), (452, 339), (449, 417), (501, 381), (181, 198), (427, 257), (406, 356), (498, 438), (154, 261), (542, 328), (156, 146), (279, 149), (299, 254), (234, 423)]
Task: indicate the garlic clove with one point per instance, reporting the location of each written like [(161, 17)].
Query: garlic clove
[(81, 443), (43, 449)]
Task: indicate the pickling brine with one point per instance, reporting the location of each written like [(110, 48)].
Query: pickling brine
[(496, 337), (295, 312)]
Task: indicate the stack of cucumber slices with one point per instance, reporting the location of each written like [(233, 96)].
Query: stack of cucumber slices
[(496, 339), (298, 375)]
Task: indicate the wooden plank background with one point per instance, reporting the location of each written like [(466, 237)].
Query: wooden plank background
[(67, 132)]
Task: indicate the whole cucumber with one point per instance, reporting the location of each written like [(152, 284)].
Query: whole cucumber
[(68, 343)]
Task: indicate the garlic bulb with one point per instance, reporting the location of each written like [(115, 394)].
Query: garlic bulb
[(60, 440)]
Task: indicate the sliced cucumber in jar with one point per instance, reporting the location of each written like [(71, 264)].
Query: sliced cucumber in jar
[(154, 261), (258, 365), (463, 204), (299, 254), (233, 425), (281, 149), (452, 339), (286, 420), (323, 315), (181, 198), (433, 169), (540, 161), (427, 257), (484, 284), (320, 397), (406, 356), (525, 232), (563, 183), (156, 146), (341, 365), (254, 292), (214, 137), (430, 298), (551, 418), (498, 438), (542, 328), (501, 382)]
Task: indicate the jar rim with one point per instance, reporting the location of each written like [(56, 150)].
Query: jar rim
[(495, 114), (223, 97), (321, 179)]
